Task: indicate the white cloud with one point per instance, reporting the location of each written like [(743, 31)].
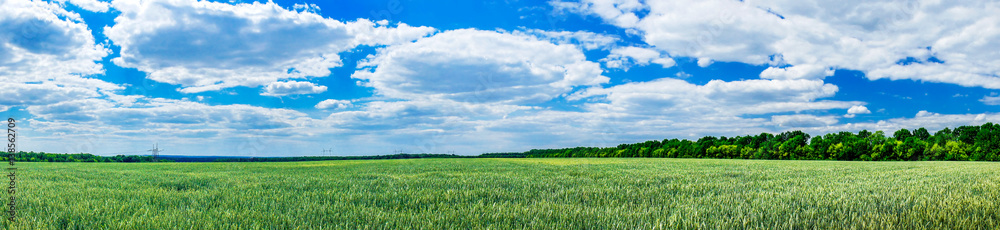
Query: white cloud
[(586, 40), (680, 99), (206, 46), (90, 5), (673, 108), (152, 113), (814, 37), (855, 110), (70, 110), (40, 41), (308, 7), (333, 104), (929, 120), (557, 129), (858, 109), (990, 100), (292, 88), (803, 120), (620, 114), (203, 129), (704, 62), (21, 94), (481, 66), (797, 72), (625, 57), (387, 117), (47, 56), (617, 12)]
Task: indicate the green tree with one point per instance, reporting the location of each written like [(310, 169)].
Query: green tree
[(921, 133), (901, 134), (956, 150), (864, 133)]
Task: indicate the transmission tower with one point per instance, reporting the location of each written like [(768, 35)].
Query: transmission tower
[(156, 151), (326, 151)]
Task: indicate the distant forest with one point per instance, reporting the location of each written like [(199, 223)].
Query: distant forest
[(74, 157), (965, 143), (975, 143)]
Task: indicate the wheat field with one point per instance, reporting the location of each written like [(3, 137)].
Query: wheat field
[(577, 193)]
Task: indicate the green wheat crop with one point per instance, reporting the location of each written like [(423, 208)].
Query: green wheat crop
[(510, 193)]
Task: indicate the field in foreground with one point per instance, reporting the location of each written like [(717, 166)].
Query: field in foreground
[(510, 193)]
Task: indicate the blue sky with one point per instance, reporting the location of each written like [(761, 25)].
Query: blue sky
[(291, 78)]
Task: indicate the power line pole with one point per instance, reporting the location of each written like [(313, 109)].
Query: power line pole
[(156, 151), (326, 151)]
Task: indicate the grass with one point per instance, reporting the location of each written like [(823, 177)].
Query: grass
[(510, 193)]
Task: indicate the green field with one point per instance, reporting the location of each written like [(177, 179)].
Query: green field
[(510, 193)]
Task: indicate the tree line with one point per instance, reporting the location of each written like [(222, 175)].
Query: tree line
[(965, 143), (75, 157), (975, 143)]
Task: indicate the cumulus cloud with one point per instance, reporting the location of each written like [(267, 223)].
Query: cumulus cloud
[(554, 129), (797, 72), (90, 5), (667, 96), (306, 7), (675, 108), (333, 104), (586, 40), (995, 100), (931, 121), (458, 85), (445, 85), (609, 116), (625, 57), (432, 114), (21, 94), (218, 45), (857, 109), (705, 62), (214, 129), (40, 41), (617, 12), (803, 120), (947, 42), (165, 113), (292, 88), (47, 56), (483, 66)]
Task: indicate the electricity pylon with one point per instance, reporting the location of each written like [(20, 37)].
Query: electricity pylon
[(156, 151)]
